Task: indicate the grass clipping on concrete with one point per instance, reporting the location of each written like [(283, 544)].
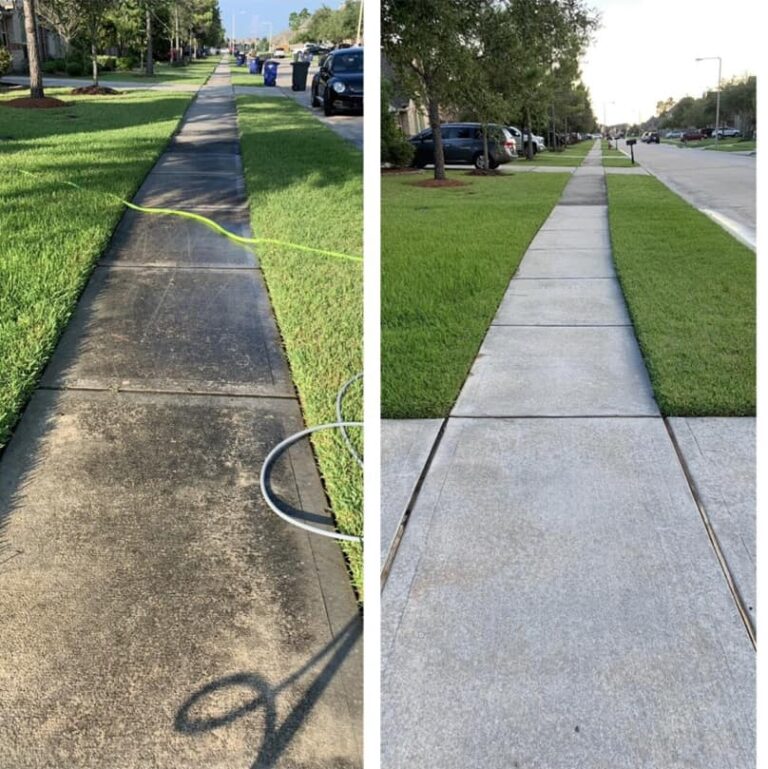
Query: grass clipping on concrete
[(305, 186), (690, 288), (447, 257), (50, 234)]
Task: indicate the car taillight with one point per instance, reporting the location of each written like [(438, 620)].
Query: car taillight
[(510, 144)]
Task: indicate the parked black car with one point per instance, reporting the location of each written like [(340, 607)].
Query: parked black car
[(463, 145), (339, 82)]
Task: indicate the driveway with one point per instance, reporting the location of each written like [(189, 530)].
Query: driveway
[(721, 184)]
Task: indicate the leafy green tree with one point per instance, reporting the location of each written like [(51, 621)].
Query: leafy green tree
[(429, 45), (395, 148)]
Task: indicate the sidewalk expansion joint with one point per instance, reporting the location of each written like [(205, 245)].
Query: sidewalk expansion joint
[(714, 541), (561, 325), (398, 537), (174, 393), (555, 416)]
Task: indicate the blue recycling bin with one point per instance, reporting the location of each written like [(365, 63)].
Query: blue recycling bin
[(253, 66), (240, 59), (259, 64), (270, 73)]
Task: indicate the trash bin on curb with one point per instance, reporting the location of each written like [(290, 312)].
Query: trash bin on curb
[(270, 72), (300, 72), (253, 66), (259, 64)]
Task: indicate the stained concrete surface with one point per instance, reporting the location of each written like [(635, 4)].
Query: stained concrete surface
[(568, 371), (153, 606), (720, 455), (193, 193), (405, 448), (561, 607), (173, 331), (567, 263), (171, 241)]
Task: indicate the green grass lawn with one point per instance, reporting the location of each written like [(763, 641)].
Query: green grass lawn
[(613, 158), (305, 186), (241, 76), (195, 73), (690, 288), (447, 257), (52, 234), (570, 157)]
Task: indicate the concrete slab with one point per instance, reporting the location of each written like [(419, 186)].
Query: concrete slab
[(203, 331), (206, 165), (540, 371), (226, 126), (202, 144), (585, 189), (561, 609), (155, 612), (563, 302), (567, 263), (405, 448), (575, 239), (192, 193), (577, 218), (719, 453), (148, 240)]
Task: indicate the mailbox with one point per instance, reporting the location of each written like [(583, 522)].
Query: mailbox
[(631, 144)]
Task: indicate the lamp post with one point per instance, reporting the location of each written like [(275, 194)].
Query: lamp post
[(268, 24), (719, 79)]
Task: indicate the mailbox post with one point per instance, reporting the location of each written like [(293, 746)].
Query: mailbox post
[(631, 144)]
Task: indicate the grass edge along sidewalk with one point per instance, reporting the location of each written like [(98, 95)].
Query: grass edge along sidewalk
[(690, 289), (305, 185), (52, 235), (447, 258)]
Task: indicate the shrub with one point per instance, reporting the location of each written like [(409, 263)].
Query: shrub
[(106, 63), (126, 63), (395, 147), (74, 69), (5, 61)]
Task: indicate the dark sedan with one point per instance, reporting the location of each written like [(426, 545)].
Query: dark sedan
[(339, 82)]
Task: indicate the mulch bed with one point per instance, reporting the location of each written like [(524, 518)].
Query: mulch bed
[(486, 172), (439, 183), (26, 102), (94, 90)]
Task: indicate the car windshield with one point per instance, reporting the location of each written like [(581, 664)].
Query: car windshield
[(348, 62)]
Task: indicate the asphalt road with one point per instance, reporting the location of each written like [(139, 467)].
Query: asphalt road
[(721, 184)]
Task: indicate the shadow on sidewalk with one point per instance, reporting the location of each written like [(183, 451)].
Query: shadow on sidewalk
[(276, 737)]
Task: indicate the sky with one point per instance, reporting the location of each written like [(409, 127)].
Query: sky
[(251, 15), (645, 52)]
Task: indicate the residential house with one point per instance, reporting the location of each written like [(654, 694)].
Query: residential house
[(13, 37), (411, 117)]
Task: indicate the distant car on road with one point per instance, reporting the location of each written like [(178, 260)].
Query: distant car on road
[(692, 136), (728, 133), (463, 145), (651, 137), (673, 134), (279, 53), (339, 82)]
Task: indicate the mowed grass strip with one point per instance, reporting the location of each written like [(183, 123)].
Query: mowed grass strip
[(305, 186), (690, 288), (447, 257), (50, 234), (571, 157), (194, 73), (613, 158)]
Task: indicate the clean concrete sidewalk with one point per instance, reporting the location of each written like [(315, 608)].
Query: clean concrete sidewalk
[(155, 612), (555, 600)]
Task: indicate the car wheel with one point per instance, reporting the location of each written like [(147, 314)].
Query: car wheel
[(479, 161), (327, 106), (314, 96), (494, 164)]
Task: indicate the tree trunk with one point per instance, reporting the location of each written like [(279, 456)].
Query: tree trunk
[(529, 132), (94, 60), (486, 154), (150, 64), (33, 51), (433, 109)]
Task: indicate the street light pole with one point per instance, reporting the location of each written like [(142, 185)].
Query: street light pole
[(717, 102), (268, 24)]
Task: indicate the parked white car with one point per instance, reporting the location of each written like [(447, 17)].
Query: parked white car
[(538, 141)]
